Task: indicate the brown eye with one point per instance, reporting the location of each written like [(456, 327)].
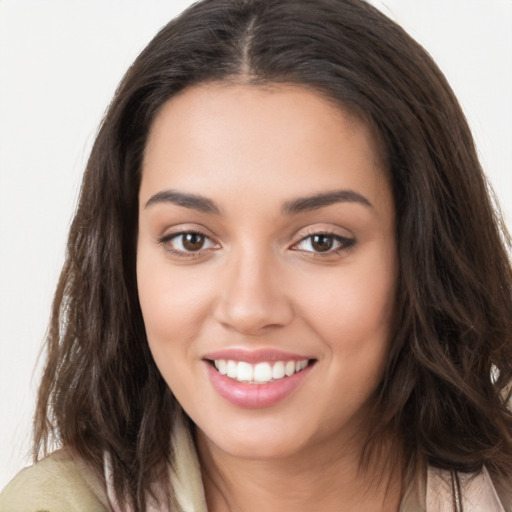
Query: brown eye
[(193, 241), (187, 243), (322, 243)]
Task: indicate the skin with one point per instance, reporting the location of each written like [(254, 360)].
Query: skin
[(259, 282)]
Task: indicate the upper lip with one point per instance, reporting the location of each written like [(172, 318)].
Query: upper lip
[(254, 356)]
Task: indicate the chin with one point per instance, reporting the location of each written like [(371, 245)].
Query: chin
[(257, 441)]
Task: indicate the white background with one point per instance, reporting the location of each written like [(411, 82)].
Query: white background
[(60, 61)]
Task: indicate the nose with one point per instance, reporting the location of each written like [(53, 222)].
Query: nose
[(252, 298)]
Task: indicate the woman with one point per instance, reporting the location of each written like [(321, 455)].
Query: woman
[(286, 287)]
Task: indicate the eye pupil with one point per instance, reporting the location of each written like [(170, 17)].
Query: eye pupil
[(193, 241), (322, 243)]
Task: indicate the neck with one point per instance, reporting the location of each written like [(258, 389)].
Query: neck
[(319, 480)]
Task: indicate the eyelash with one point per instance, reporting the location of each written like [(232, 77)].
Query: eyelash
[(345, 244), (165, 242)]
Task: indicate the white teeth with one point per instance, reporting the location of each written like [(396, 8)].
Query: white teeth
[(245, 371), (289, 368), (278, 370), (223, 367), (260, 373), (232, 370)]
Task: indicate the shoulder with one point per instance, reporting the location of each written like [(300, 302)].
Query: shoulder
[(58, 483)]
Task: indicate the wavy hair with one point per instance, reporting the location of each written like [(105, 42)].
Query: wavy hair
[(446, 384)]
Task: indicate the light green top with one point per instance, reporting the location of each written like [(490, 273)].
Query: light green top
[(59, 483)]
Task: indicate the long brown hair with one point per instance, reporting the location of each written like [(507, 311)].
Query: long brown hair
[(445, 389)]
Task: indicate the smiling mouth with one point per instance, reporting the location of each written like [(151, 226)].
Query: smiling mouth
[(260, 373)]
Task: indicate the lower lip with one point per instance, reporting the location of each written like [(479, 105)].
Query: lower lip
[(255, 396)]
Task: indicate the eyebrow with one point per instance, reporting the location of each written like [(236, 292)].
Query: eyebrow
[(192, 201), (316, 201), (299, 205)]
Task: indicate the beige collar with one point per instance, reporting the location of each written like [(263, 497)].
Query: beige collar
[(450, 491)]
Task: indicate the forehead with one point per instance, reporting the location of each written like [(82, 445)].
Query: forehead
[(274, 140)]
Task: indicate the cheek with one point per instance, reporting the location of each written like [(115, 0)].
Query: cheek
[(356, 308), (355, 323), (174, 304), (353, 311)]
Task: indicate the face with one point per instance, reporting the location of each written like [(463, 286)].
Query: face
[(266, 266)]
